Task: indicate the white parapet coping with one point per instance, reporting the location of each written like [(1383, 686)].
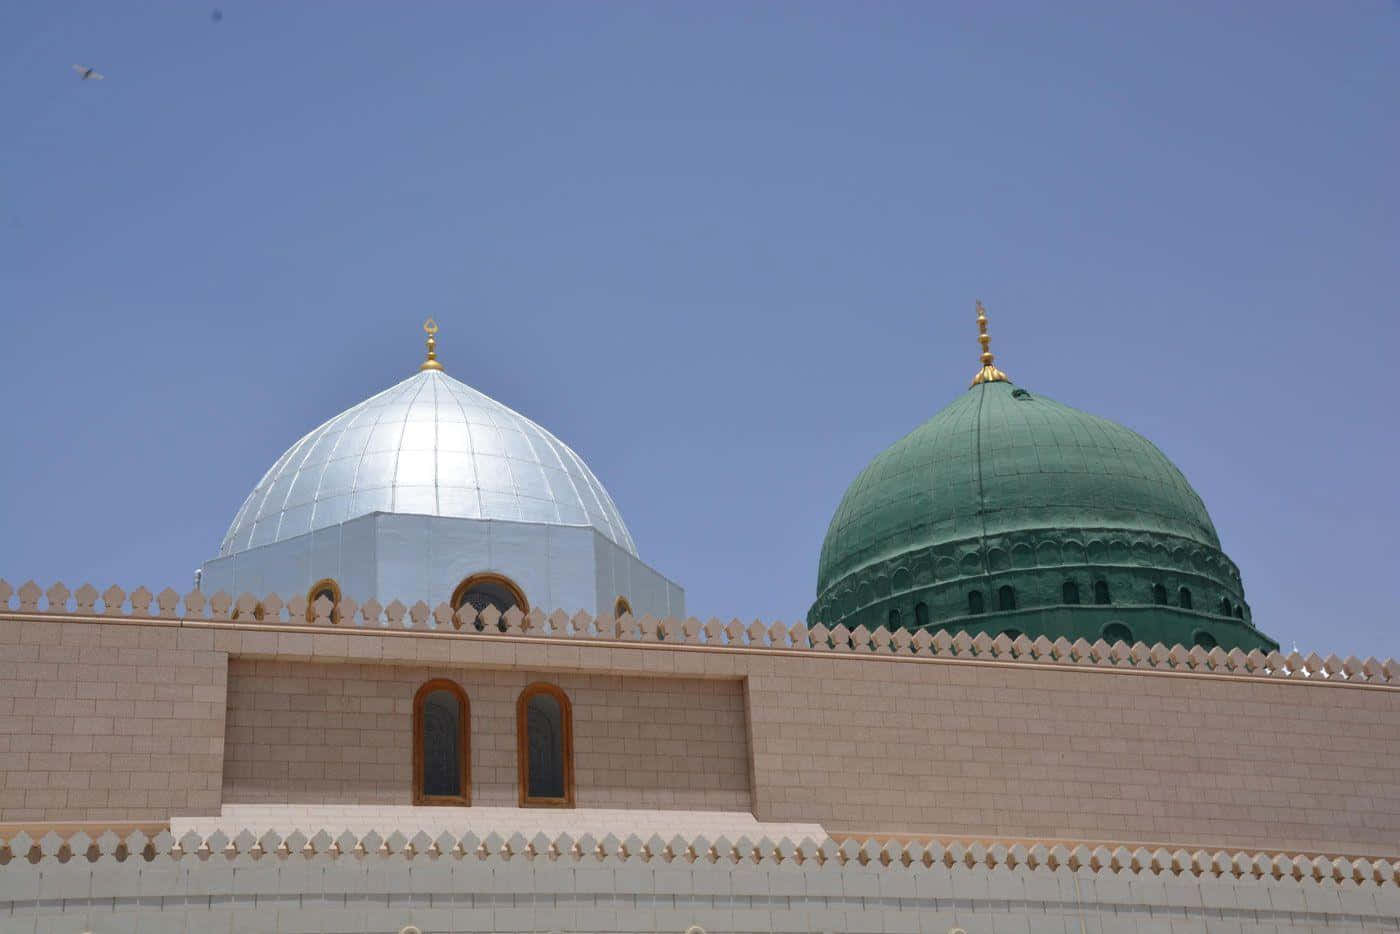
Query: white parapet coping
[(483, 821)]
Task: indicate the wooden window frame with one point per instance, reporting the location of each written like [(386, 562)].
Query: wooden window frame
[(325, 583), (464, 748), (522, 745), (489, 577)]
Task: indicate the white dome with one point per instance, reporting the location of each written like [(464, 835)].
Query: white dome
[(429, 446)]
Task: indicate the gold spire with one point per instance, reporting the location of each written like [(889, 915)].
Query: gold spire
[(988, 373), (430, 328)]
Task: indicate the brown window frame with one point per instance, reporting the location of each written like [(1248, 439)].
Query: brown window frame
[(489, 577), (621, 605), (522, 745), (464, 749), (325, 583)]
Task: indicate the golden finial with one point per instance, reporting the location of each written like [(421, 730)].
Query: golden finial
[(430, 328), (988, 373)]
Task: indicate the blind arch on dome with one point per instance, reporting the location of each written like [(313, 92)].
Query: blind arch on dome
[(1117, 632), (1101, 594)]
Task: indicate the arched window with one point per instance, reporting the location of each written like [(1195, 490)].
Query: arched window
[(620, 607), (1159, 595), (894, 619), (1184, 597), (975, 604), (1117, 632), (1101, 593), (545, 747), (1006, 597), (1011, 633), (1069, 593), (489, 589), (1239, 611), (921, 613), (1204, 639), (328, 588), (441, 744), (1224, 606)]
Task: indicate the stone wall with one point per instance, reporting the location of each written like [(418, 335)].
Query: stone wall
[(120, 716), (108, 722), (300, 732), (388, 882), (1062, 752)]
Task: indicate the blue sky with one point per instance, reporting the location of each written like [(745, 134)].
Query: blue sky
[(727, 251)]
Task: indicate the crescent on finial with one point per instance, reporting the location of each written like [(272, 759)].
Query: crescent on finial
[(430, 327)]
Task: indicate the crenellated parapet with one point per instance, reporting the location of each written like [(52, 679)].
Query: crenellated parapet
[(271, 613), (98, 845)]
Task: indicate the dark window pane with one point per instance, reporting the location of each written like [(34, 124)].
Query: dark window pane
[(1006, 598), (487, 593), (1117, 632), (544, 727), (1184, 596), (441, 757), (974, 602), (1069, 593), (1101, 593), (921, 613)]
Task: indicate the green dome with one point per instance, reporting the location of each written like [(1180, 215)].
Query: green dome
[(1010, 511)]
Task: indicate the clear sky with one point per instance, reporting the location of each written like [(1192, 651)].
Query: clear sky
[(726, 251)]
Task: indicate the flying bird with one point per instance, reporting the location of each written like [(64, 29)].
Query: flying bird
[(87, 71)]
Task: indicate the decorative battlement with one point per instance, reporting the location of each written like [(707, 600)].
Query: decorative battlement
[(95, 845), (373, 618)]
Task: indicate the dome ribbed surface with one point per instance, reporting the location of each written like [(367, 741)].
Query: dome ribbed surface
[(1000, 460), (433, 446)]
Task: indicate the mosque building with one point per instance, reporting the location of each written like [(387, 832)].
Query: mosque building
[(428, 683), (431, 488), (1008, 512)]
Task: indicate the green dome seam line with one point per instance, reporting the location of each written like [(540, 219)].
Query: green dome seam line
[(981, 489)]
